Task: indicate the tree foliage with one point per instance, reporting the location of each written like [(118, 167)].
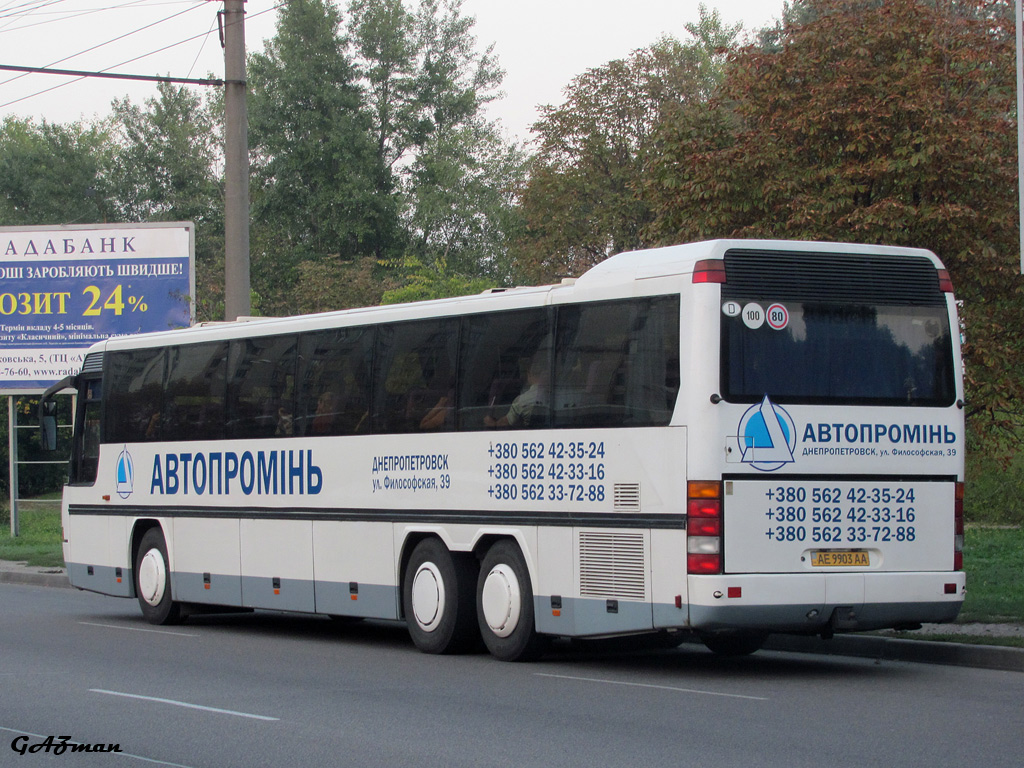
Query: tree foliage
[(372, 144), (167, 166), (52, 173), (426, 83), (317, 189), (879, 122), (583, 202)]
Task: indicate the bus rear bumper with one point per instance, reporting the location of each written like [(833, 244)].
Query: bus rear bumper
[(814, 603)]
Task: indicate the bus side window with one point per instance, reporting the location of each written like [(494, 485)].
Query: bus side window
[(334, 382), (261, 387), (495, 359), (134, 406), (195, 395), (414, 368), (86, 450), (617, 363)]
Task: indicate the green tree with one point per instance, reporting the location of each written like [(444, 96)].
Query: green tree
[(384, 41), (52, 173), (427, 82), (421, 72), (319, 189), (422, 282), (873, 122), (167, 167), (462, 210), (583, 201), (332, 283)]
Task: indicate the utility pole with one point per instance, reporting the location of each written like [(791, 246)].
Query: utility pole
[(236, 164)]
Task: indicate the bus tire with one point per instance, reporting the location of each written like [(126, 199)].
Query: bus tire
[(504, 604), (734, 643), (437, 598), (153, 580)]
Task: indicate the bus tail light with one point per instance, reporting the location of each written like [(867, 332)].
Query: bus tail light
[(703, 527), (945, 283), (709, 271), (958, 528)]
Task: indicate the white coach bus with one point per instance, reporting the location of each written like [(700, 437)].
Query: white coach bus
[(729, 438)]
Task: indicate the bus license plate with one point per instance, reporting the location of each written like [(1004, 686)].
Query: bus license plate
[(856, 558)]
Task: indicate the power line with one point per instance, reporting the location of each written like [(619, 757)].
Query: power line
[(111, 75), (61, 16), (104, 72), (108, 42)]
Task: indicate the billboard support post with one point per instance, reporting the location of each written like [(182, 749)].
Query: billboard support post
[(12, 458)]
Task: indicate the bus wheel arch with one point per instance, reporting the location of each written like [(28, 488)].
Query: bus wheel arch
[(438, 591), (152, 576), (504, 603), (139, 530)]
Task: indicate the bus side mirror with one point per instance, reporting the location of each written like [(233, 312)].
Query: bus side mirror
[(48, 425)]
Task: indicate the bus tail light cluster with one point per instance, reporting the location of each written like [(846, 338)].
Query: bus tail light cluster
[(703, 527), (709, 271), (958, 528), (945, 283)]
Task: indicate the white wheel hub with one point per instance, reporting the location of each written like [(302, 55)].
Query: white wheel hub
[(502, 600), (153, 577), (428, 597)]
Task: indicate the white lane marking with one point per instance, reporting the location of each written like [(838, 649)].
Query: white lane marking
[(182, 704), (138, 629), (648, 685), (119, 754)]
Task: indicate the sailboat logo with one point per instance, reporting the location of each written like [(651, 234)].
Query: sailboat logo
[(125, 474), (767, 436)]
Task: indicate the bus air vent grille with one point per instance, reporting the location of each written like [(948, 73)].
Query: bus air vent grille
[(627, 497), (93, 363), (847, 278), (612, 565)]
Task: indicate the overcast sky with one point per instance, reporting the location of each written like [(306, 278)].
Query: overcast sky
[(541, 44)]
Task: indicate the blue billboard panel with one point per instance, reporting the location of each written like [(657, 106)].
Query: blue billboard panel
[(63, 289)]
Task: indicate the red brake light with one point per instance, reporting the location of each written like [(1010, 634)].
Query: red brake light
[(698, 527), (704, 517), (703, 564), (704, 508), (709, 271)]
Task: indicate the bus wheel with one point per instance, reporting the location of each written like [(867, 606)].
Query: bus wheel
[(153, 581), (437, 596), (504, 605), (734, 643)]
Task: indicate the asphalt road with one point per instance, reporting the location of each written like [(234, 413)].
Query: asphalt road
[(273, 690)]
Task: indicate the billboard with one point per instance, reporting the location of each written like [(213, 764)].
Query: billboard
[(64, 288)]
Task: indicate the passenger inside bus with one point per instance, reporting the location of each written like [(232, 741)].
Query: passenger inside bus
[(533, 402)]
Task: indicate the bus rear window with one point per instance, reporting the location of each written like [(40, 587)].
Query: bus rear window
[(835, 353)]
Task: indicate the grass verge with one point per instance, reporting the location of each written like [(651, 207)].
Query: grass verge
[(39, 542), (994, 561)]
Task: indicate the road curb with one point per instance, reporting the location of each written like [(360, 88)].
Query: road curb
[(898, 649), (35, 579)]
